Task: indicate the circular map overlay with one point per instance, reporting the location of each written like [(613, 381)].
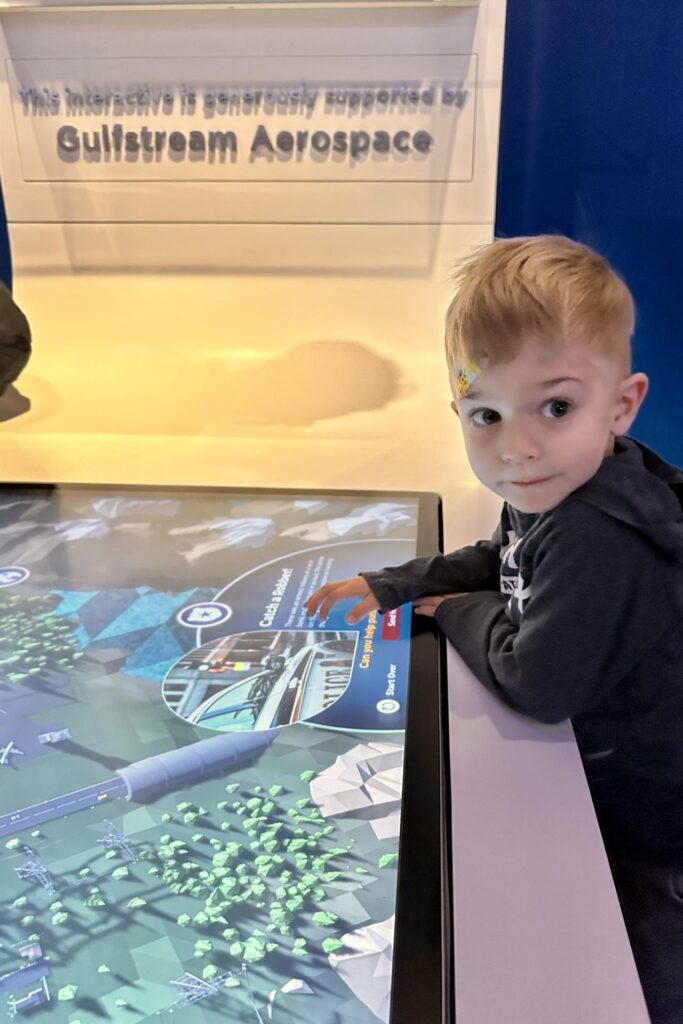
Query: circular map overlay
[(261, 679)]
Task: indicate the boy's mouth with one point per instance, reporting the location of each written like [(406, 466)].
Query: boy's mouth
[(530, 483)]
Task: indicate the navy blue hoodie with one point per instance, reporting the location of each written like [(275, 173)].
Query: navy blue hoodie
[(578, 613)]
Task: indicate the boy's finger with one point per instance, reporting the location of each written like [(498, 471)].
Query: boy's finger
[(314, 601), (313, 606), (327, 606), (318, 594), (360, 610), (327, 596)]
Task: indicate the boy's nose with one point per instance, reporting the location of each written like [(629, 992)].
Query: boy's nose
[(518, 445)]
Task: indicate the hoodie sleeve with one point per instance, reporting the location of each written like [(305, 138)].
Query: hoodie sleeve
[(593, 604), (476, 567)]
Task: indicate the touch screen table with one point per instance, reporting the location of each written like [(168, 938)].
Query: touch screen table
[(213, 807)]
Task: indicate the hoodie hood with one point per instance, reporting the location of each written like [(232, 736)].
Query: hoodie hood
[(651, 502)]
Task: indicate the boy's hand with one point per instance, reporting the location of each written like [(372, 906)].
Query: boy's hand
[(327, 597), (428, 605)]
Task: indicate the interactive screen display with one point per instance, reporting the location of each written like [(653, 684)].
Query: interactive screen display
[(200, 786)]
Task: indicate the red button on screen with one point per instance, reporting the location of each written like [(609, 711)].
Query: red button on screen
[(391, 624)]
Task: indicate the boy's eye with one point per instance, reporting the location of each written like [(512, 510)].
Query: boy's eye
[(484, 417), (556, 408)]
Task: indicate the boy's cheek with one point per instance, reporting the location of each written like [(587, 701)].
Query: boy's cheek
[(476, 451)]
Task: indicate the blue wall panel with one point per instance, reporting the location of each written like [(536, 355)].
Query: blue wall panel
[(592, 147)]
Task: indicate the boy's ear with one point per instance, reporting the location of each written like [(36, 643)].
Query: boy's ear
[(454, 407), (632, 391)]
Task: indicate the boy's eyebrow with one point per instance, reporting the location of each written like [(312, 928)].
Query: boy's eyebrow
[(474, 395), (560, 380)]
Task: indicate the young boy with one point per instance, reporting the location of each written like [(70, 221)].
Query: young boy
[(574, 608)]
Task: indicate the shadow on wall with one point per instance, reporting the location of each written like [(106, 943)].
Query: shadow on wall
[(13, 404), (187, 392), (313, 381)]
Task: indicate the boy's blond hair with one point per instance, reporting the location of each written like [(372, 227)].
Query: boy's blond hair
[(545, 288)]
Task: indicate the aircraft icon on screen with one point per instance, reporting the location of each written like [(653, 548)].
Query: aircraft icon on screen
[(7, 752)]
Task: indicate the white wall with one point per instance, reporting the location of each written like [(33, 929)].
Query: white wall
[(175, 295), (91, 207)]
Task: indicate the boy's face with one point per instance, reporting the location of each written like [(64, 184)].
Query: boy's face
[(538, 426)]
